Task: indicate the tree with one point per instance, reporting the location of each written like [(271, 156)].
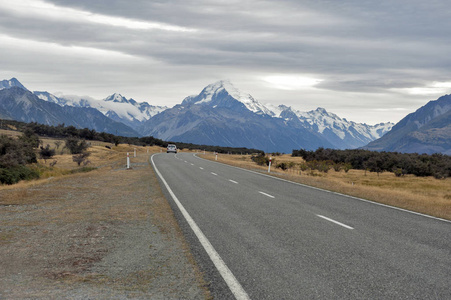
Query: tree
[(75, 145), (46, 153)]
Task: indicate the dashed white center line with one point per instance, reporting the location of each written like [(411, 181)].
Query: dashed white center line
[(214, 174), (192, 164), (201, 168), (267, 195), (233, 181), (336, 222)]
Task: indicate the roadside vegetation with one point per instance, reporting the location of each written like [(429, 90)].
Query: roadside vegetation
[(424, 194), (63, 132), (31, 150), (436, 165)]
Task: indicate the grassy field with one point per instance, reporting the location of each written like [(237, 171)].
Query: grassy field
[(421, 194)]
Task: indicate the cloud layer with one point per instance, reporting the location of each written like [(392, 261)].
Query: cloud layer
[(368, 61)]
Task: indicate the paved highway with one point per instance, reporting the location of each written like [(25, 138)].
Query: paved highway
[(273, 239)]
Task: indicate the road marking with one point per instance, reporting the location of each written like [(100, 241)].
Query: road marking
[(214, 174), (326, 191), (231, 281), (192, 164), (233, 181), (336, 222), (201, 168), (267, 195)]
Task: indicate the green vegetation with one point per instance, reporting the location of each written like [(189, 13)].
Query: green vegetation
[(75, 145), (15, 154), (437, 165)]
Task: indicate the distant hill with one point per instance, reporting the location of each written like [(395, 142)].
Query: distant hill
[(17, 103), (427, 130)]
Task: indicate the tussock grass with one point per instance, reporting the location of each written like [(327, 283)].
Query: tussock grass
[(420, 194)]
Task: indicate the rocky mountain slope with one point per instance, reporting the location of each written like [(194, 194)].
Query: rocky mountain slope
[(427, 130)]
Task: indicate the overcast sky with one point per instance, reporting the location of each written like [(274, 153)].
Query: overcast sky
[(365, 60)]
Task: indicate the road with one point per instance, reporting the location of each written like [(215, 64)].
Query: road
[(281, 240)]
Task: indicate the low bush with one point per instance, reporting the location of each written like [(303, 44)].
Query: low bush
[(261, 159), (16, 174)]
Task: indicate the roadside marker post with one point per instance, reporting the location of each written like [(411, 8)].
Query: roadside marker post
[(269, 165), (216, 153), (128, 160), (134, 150)]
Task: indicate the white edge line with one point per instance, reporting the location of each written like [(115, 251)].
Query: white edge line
[(233, 284), (336, 193), (267, 195), (336, 222)]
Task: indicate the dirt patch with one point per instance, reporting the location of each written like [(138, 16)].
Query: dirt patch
[(100, 235)]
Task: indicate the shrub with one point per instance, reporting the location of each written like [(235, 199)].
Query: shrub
[(283, 166), (15, 174), (75, 145), (46, 153), (261, 159)]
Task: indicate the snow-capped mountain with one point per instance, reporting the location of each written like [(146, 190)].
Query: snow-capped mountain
[(223, 107), (223, 115), (340, 132), (224, 94), (6, 84), (116, 107), (20, 104)]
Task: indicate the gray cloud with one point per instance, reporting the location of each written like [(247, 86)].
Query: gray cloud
[(377, 48)]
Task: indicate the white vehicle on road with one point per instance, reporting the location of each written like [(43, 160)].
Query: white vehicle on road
[(172, 148)]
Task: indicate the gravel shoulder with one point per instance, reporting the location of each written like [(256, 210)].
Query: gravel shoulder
[(106, 234)]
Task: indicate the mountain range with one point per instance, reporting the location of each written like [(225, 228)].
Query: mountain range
[(223, 115), (17, 103)]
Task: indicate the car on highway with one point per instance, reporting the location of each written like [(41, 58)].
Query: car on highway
[(172, 148)]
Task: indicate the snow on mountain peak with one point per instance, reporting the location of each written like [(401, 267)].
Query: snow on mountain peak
[(212, 91), (6, 84), (116, 97)]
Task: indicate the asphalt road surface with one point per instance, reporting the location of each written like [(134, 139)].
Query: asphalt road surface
[(272, 239)]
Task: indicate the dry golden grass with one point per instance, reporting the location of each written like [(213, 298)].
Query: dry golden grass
[(11, 133), (421, 194), (101, 157)]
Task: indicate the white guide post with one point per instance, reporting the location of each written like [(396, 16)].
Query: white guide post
[(269, 166), (128, 160)]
